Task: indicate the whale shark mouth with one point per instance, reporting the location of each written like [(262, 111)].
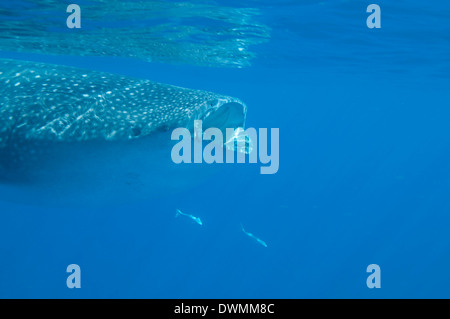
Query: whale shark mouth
[(229, 114)]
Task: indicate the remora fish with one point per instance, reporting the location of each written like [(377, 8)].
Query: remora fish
[(258, 240), (195, 219), (73, 136)]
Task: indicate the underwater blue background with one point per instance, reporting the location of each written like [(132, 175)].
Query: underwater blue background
[(364, 174)]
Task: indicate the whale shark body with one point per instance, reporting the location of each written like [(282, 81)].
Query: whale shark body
[(70, 136)]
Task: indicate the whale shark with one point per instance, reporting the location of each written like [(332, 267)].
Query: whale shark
[(70, 136)]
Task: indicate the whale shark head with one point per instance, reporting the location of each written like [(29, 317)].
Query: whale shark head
[(72, 136)]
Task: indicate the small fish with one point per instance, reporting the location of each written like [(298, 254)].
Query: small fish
[(259, 241), (195, 219)]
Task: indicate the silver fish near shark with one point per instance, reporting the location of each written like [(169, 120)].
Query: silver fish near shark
[(73, 136), (194, 218), (256, 239)]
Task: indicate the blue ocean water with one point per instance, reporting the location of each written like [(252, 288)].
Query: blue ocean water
[(364, 176)]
